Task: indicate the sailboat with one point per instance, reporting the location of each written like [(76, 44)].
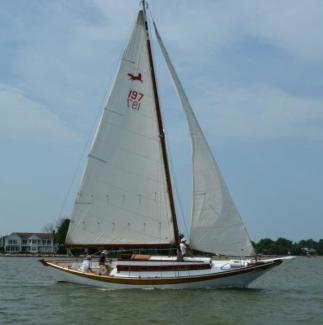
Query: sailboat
[(126, 199)]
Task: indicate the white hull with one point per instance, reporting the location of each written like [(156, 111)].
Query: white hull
[(239, 281), (218, 276)]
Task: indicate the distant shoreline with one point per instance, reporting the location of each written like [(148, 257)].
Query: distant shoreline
[(33, 255)]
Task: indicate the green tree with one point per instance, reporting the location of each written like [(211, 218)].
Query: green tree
[(283, 246), (320, 247), (60, 234), (296, 249), (309, 243), (264, 246)]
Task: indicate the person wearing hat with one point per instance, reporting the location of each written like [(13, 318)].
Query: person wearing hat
[(86, 264), (183, 246), (104, 268)]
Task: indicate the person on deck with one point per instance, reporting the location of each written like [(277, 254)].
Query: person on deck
[(104, 268), (186, 250), (86, 264), (183, 247)]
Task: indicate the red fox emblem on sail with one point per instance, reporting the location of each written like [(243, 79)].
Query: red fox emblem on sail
[(134, 97), (137, 77)]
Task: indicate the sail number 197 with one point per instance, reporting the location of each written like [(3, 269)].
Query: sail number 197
[(134, 98)]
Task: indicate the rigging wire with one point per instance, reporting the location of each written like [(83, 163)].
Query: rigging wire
[(84, 150)]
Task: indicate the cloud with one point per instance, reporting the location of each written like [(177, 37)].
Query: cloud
[(25, 119), (294, 26), (259, 113), (77, 49), (199, 29), (63, 55)]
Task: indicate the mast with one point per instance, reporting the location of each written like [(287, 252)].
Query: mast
[(161, 132)]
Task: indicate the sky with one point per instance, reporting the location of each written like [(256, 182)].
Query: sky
[(253, 71)]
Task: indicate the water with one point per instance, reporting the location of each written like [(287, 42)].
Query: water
[(289, 294)]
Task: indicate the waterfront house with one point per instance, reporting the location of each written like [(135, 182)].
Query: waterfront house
[(25, 242)]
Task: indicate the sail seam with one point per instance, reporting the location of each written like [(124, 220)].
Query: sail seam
[(127, 60), (141, 176), (137, 232), (135, 212), (139, 155), (97, 158), (112, 111), (132, 131), (134, 194)]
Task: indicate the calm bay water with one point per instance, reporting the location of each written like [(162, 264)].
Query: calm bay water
[(289, 294)]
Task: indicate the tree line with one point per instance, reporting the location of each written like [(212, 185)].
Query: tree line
[(283, 246)]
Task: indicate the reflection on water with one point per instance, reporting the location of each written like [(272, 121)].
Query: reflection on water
[(289, 294)]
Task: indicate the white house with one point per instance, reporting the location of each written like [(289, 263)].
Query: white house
[(24, 242)]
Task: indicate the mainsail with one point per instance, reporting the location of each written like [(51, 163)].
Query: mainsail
[(123, 198), (216, 224)]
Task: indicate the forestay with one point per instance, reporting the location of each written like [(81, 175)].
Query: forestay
[(216, 224), (123, 195)]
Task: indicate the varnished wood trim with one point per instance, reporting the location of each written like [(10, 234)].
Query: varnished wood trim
[(155, 260), (154, 268)]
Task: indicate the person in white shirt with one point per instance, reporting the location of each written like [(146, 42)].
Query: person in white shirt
[(183, 247), (86, 265)]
